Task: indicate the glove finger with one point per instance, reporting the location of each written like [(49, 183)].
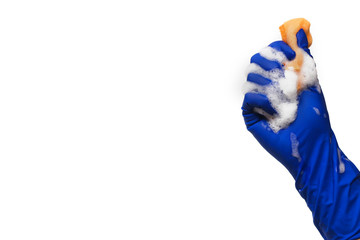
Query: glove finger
[(253, 105), (258, 79), (264, 63), (283, 47), (257, 100), (302, 41)]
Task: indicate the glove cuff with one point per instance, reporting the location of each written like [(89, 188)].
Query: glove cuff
[(330, 184)]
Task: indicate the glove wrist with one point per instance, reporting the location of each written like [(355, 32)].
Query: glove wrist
[(328, 181)]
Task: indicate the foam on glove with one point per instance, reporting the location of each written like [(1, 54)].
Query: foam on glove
[(282, 91)]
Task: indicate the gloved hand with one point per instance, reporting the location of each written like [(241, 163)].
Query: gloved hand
[(324, 177)]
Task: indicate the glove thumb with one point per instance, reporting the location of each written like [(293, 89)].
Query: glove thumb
[(302, 41)]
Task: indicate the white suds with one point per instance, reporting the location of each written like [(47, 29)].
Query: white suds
[(318, 88), (272, 54), (341, 163), (295, 146), (316, 110), (282, 92)]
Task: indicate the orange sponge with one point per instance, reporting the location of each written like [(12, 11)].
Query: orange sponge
[(288, 34), (289, 29)]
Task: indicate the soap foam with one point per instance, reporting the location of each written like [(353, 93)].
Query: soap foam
[(317, 111), (272, 54), (282, 92), (341, 163), (295, 146)]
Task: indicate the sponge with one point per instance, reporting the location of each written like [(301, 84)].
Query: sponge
[(288, 34)]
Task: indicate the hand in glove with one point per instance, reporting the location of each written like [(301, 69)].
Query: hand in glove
[(307, 147)]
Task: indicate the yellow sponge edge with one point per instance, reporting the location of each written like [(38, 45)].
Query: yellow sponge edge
[(289, 29)]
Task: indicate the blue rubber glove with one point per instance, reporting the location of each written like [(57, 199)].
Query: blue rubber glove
[(324, 177)]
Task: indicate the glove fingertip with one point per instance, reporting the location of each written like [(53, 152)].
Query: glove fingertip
[(257, 100), (283, 47), (302, 40), (258, 79), (264, 63)]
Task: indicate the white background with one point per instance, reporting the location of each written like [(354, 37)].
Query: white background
[(122, 119)]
